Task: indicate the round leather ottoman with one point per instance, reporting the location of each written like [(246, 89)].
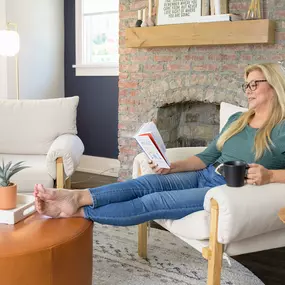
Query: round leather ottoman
[(44, 251)]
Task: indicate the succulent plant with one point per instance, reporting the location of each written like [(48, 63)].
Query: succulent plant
[(8, 170)]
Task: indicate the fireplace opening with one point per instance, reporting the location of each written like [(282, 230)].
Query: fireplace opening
[(187, 124)]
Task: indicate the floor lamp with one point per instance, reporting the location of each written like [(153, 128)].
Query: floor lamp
[(10, 46)]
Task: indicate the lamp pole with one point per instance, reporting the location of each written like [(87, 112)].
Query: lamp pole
[(15, 28)]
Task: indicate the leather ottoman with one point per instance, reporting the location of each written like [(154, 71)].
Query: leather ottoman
[(44, 251)]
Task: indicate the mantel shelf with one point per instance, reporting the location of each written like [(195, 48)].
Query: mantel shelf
[(198, 34)]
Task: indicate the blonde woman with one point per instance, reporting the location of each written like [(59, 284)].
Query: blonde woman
[(256, 136)]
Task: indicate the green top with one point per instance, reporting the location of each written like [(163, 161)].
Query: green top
[(241, 147)]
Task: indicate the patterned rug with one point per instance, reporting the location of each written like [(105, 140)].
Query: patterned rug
[(170, 261)]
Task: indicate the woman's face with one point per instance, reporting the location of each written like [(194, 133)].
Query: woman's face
[(259, 93)]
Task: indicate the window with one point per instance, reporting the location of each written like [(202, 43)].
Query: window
[(97, 38)]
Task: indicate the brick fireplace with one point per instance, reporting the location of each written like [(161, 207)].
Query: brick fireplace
[(189, 80), (188, 123)]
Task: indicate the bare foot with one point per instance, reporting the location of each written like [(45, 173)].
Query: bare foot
[(79, 213), (56, 203), (48, 208)]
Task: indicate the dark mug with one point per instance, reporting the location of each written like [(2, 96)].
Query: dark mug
[(235, 172)]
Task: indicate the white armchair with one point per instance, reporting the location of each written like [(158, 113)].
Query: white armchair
[(43, 134), (234, 220)]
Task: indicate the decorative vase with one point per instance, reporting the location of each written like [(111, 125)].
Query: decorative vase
[(139, 20), (255, 10), (144, 23), (8, 197)]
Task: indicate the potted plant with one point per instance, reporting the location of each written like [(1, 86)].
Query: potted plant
[(8, 189)]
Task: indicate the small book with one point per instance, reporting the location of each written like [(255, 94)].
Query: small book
[(150, 140), (218, 7), (212, 7), (205, 7), (218, 18)]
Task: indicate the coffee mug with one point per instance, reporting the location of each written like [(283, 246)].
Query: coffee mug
[(235, 172)]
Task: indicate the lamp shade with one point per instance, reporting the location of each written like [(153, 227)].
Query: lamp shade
[(9, 43)]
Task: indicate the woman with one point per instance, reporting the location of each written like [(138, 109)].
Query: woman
[(257, 135)]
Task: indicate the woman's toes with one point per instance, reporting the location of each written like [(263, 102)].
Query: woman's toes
[(38, 204), (36, 191), (46, 194)]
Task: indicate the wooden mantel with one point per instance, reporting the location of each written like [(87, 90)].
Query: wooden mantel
[(197, 34)]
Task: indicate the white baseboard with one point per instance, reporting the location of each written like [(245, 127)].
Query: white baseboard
[(99, 165)]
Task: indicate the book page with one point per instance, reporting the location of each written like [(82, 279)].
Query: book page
[(151, 151), (150, 128)]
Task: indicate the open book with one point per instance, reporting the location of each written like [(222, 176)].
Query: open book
[(150, 140)]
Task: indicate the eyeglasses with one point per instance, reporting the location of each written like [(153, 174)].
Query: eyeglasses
[(252, 85)]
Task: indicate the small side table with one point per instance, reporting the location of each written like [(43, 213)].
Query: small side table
[(40, 250), (281, 214)]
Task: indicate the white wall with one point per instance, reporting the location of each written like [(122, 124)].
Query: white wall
[(41, 57), (3, 60)]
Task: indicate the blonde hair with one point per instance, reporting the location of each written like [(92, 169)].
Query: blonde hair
[(276, 78)]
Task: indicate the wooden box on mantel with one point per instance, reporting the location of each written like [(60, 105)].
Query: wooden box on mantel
[(197, 34)]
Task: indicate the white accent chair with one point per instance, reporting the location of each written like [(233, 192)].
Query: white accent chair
[(42, 133), (234, 220)]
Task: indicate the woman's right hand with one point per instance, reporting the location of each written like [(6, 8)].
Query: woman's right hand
[(158, 170)]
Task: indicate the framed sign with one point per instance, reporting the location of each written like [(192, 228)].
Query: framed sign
[(177, 11)]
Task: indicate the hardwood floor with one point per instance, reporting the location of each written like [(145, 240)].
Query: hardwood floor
[(268, 265), (81, 180)]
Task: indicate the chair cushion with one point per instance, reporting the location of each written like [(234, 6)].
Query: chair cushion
[(226, 110), (27, 178), (30, 126), (193, 226), (274, 239)]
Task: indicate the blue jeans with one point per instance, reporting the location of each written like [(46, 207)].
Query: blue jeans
[(150, 197)]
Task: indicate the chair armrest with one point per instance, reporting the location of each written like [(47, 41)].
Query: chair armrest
[(247, 211), (141, 166), (70, 148)]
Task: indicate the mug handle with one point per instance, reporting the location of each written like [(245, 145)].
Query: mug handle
[(246, 170), (216, 170)]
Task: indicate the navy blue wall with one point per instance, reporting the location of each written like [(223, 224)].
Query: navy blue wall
[(98, 104)]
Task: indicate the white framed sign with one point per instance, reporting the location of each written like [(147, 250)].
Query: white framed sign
[(177, 11)]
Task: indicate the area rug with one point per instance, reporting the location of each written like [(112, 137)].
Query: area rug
[(170, 261)]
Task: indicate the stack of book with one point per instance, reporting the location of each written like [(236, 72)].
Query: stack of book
[(215, 18), (216, 11)]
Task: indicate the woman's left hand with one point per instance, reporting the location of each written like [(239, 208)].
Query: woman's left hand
[(258, 174)]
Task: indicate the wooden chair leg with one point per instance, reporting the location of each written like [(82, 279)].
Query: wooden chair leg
[(68, 183), (142, 240), (142, 236), (59, 173), (214, 253)]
